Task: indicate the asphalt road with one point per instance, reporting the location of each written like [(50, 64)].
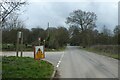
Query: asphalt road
[(77, 63)]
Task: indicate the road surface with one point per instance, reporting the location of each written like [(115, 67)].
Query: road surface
[(78, 63)]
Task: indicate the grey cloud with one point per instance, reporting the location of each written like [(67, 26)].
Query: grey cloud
[(56, 13)]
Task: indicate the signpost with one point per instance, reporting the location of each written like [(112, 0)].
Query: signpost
[(39, 39), (44, 43), (39, 53), (19, 43)]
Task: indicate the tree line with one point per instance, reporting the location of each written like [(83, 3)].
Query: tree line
[(54, 37), (60, 36), (94, 37)]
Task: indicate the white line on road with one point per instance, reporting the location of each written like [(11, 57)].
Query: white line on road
[(60, 60)]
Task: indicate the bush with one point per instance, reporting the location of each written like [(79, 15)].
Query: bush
[(107, 48)]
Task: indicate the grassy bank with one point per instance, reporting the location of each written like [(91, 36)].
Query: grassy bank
[(25, 67), (107, 50)]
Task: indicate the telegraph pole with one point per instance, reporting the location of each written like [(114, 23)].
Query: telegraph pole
[(48, 24), (48, 29)]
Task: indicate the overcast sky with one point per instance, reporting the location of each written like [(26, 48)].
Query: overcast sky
[(39, 13)]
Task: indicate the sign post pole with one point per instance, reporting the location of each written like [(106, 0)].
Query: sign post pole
[(44, 46), (17, 44), (39, 39), (21, 44), (39, 45), (39, 53), (44, 43)]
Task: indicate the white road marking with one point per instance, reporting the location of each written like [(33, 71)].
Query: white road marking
[(60, 60)]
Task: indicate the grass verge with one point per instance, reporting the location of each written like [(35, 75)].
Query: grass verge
[(25, 67), (115, 56)]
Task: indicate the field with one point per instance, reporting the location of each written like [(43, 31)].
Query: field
[(25, 67)]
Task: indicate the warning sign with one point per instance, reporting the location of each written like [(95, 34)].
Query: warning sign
[(39, 52)]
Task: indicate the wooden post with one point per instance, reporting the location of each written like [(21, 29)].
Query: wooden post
[(17, 46), (39, 63), (21, 44), (0, 40), (34, 52), (44, 49)]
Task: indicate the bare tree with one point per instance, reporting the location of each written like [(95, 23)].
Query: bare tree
[(86, 20), (7, 7), (13, 22)]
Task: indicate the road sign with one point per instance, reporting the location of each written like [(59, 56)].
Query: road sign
[(19, 34), (39, 52), (39, 38)]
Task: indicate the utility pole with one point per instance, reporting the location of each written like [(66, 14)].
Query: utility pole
[(48, 29), (48, 35), (48, 24)]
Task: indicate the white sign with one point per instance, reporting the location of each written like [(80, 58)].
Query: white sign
[(39, 38), (19, 34)]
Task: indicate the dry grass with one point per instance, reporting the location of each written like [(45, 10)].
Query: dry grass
[(107, 50)]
